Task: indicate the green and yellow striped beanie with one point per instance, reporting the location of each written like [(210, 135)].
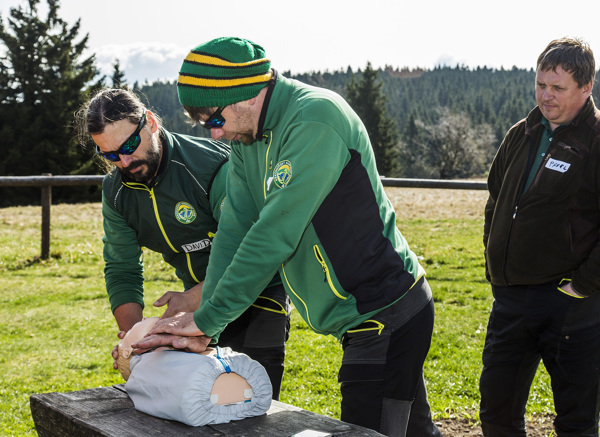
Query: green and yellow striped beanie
[(222, 72)]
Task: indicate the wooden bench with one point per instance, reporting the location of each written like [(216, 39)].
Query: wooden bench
[(108, 411)]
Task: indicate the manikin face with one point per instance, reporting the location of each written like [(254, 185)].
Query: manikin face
[(135, 334), (558, 96), (142, 165)]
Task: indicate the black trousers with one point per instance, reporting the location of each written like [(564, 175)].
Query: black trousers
[(261, 333), (532, 323), (381, 375)]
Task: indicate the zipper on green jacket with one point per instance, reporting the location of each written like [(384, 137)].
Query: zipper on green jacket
[(137, 186), (267, 166), (326, 271), (301, 301)]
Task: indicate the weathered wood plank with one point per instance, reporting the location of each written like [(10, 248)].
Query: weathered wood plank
[(108, 412)]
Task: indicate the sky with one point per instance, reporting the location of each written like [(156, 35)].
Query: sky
[(150, 38)]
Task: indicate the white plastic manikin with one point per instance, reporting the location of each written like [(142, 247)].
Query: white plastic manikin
[(215, 386)]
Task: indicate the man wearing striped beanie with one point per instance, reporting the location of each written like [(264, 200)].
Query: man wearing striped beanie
[(304, 199), (223, 72)]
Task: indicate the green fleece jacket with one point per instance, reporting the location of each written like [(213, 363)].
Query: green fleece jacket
[(550, 231), (176, 215), (306, 200)]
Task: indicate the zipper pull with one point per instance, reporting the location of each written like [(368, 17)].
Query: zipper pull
[(321, 261), (546, 159), (515, 211)]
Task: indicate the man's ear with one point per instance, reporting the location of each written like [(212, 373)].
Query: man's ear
[(151, 121), (587, 88)]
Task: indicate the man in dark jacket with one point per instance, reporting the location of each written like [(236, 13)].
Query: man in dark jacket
[(165, 193), (541, 238)]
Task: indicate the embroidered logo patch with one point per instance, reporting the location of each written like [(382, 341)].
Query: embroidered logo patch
[(282, 173), (561, 166), (185, 213)]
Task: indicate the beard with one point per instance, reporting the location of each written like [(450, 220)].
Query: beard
[(244, 125), (247, 138), (151, 162)]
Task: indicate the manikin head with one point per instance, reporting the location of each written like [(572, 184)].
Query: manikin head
[(228, 388), (136, 333)]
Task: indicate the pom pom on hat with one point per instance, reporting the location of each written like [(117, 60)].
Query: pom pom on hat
[(222, 72)]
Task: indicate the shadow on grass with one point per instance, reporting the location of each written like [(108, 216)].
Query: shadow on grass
[(35, 261)]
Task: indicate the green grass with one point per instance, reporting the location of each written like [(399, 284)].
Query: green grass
[(57, 331)]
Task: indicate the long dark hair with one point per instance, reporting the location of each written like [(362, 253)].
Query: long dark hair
[(105, 107)]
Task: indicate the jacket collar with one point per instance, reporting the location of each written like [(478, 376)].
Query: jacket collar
[(534, 119), (274, 106)]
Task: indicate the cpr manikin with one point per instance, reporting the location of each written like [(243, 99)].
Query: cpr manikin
[(216, 386)]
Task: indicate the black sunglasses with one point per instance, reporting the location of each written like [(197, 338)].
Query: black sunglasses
[(216, 120), (128, 147)]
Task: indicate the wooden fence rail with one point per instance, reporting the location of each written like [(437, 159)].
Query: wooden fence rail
[(47, 181)]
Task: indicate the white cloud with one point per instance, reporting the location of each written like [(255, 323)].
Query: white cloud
[(142, 61), (334, 34)]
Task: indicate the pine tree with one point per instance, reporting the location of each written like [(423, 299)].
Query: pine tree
[(118, 76), (43, 79), (365, 95)]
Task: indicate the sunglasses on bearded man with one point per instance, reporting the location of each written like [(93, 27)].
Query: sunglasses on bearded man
[(129, 146)]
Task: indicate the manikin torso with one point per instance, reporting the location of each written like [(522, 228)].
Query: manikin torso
[(228, 388)]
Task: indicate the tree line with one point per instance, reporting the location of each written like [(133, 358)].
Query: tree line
[(441, 123)]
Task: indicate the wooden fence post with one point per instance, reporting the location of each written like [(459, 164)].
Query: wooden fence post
[(46, 203)]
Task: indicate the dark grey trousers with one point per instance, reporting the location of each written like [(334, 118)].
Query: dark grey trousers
[(529, 324), (381, 375)]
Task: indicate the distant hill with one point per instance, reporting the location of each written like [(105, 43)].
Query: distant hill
[(497, 97)]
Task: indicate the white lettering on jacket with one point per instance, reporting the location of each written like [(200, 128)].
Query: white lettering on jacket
[(194, 247), (556, 165)]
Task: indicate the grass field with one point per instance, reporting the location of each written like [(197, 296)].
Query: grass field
[(57, 331)]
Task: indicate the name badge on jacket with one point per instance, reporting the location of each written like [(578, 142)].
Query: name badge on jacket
[(561, 166)]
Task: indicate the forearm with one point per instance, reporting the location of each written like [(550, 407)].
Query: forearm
[(128, 315), (123, 270)]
